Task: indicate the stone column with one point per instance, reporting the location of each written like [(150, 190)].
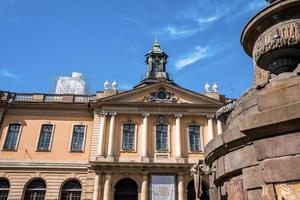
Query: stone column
[(96, 195), (178, 136), (107, 187), (180, 187), (110, 152), (210, 128), (144, 195), (219, 127), (144, 138), (101, 134)]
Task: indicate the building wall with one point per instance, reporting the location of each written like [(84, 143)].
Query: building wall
[(152, 121), (61, 141), (19, 178)]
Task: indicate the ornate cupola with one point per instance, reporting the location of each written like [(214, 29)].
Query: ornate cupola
[(156, 59)]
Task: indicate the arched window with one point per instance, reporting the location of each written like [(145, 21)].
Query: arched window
[(4, 189), (128, 140), (194, 138), (71, 190), (161, 137), (35, 190)]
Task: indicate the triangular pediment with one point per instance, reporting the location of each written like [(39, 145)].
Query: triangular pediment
[(161, 92)]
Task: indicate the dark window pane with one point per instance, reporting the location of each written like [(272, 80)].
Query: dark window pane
[(35, 190), (78, 137), (12, 137), (128, 137), (162, 137), (194, 138), (4, 189), (45, 137), (71, 190)]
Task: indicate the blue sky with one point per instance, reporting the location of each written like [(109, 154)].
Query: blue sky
[(107, 40)]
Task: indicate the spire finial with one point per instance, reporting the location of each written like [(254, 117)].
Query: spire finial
[(156, 40)]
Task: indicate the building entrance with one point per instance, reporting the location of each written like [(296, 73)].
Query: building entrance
[(126, 189)]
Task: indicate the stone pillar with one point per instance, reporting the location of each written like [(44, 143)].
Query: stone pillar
[(210, 128), (107, 188), (178, 136), (110, 152), (219, 127), (144, 141), (144, 195), (180, 187), (96, 195), (101, 134)]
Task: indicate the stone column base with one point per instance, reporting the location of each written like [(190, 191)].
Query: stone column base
[(110, 159), (179, 160), (145, 159)]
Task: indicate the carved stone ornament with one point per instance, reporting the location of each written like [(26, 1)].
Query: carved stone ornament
[(162, 119), (278, 49), (223, 113), (161, 96)]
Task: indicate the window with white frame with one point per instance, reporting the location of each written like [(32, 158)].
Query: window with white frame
[(194, 138), (12, 136), (45, 137), (78, 137), (128, 140), (161, 137)]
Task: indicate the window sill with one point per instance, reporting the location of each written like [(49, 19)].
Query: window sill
[(196, 152), (43, 150), (128, 151), (75, 151), (13, 150)]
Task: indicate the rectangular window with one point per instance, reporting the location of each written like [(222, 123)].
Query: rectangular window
[(128, 137), (78, 137), (194, 138), (45, 137), (12, 137), (161, 137)]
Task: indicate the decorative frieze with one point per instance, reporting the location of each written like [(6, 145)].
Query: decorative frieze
[(161, 96), (277, 49)]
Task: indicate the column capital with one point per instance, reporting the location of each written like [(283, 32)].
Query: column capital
[(180, 174), (210, 116), (178, 115), (112, 113), (103, 113), (145, 114)]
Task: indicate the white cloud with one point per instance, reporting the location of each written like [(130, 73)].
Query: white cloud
[(8, 74), (176, 32), (196, 55), (204, 20)]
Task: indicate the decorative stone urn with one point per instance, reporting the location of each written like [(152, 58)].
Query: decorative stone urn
[(257, 156), (272, 37)]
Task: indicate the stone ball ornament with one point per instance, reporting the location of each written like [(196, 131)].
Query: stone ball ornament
[(216, 88), (207, 87), (114, 85), (106, 85)]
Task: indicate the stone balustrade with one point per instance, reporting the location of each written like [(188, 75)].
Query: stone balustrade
[(28, 97)]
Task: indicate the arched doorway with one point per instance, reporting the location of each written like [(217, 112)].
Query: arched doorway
[(126, 189), (191, 191)]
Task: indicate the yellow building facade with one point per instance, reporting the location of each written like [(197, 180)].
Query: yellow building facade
[(135, 144)]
